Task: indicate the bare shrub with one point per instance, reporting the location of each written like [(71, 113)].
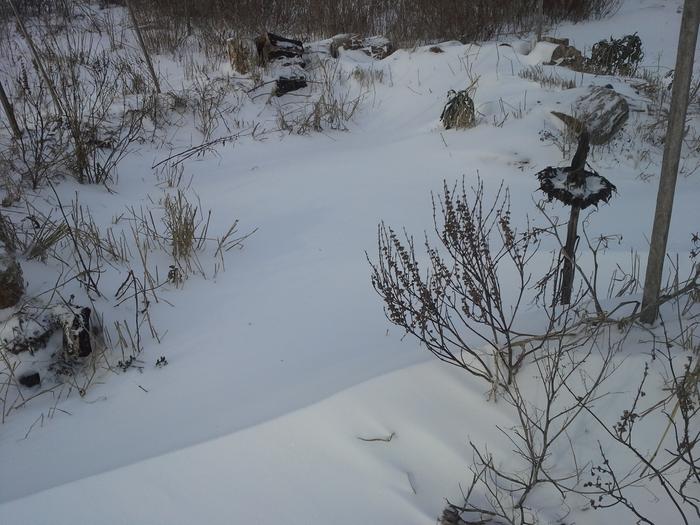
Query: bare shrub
[(405, 22), (574, 371), (368, 77), (332, 103), (208, 98), (570, 372), (86, 126), (40, 151), (547, 79), (182, 225), (87, 80), (458, 306), (565, 139)]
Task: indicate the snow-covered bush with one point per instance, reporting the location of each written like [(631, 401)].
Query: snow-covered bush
[(617, 56), (458, 112)]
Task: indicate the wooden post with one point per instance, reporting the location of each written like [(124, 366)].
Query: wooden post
[(669, 167), (10, 113), (577, 177), (567, 273), (38, 62), (142, 45)]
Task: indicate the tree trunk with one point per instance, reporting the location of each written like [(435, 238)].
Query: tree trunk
[(142, 45), (10, 113), (669, 167)]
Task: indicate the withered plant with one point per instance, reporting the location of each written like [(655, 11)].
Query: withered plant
[(458, 305)]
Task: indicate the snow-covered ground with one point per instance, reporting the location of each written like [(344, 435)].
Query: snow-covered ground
[(278, 365)]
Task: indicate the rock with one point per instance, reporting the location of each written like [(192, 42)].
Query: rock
[(77, 336), (11, 279), (603, 112), (567, 56), (559, 41), (285, 85), (29, 380), (340, 41), (378, 47)]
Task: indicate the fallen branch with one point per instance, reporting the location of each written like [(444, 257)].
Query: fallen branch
[(383, 439)]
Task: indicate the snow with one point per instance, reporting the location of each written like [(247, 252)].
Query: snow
[(278, 364), (592, 184), (307, 466), (542, 53)]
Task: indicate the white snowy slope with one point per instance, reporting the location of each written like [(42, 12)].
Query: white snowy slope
[(308, 466), (279, 364)]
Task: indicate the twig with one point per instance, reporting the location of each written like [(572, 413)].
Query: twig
[(384, 439)]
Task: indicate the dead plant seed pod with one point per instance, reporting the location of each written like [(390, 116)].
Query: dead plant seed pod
[(574, 185), (589, 190), (458, 113)]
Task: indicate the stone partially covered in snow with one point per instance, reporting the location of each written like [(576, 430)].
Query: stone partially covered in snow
[(558, 52), (285, 85), (11, 279), (31, 331), (378, 47), (77, 336), (603, 112)]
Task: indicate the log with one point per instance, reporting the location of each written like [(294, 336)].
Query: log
[(286, 85), (274, 47)]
